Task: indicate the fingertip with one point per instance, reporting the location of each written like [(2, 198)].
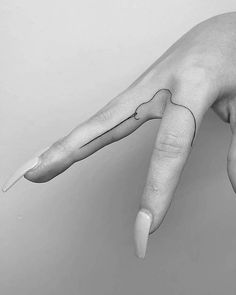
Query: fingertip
[(34, 175), (50, 165), (32, 170), (141, 232), (19, 173), (38, 173)]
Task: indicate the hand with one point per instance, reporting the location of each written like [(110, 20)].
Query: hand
[(197, 72)]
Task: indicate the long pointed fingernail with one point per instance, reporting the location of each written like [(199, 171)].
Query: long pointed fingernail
[(19, 173), (141, 231)]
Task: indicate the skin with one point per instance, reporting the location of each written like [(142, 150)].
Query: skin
[(195, 73)]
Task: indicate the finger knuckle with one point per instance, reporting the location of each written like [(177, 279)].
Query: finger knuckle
[(60, 146), (171, 145), (195, 75), (152, 186), (103, 115), (194, 70)]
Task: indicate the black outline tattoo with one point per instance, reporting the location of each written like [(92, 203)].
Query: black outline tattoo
[(158, 117)]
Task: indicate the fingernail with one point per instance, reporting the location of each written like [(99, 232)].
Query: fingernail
[(19, 173), (141, 231)]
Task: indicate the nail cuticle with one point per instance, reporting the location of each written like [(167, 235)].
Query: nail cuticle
[(146, 211), (32, 169)]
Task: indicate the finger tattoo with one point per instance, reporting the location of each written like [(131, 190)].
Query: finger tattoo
[(147, 109)]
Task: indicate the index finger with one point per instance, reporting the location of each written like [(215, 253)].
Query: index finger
[(117, 119)]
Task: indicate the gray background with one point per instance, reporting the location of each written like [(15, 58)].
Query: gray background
[(60, 62)]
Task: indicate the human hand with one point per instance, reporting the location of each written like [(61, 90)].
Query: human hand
[(196, 73)]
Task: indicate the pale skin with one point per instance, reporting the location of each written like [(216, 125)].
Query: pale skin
[(195, 73)]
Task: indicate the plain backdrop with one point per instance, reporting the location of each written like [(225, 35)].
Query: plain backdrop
[(60, 61)]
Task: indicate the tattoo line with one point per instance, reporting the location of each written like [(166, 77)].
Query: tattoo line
[(158, 117)]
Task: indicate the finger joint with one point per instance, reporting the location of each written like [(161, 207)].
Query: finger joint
[(171, 146)]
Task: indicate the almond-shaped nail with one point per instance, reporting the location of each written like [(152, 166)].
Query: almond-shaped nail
[(19, 173), (141, 231)]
